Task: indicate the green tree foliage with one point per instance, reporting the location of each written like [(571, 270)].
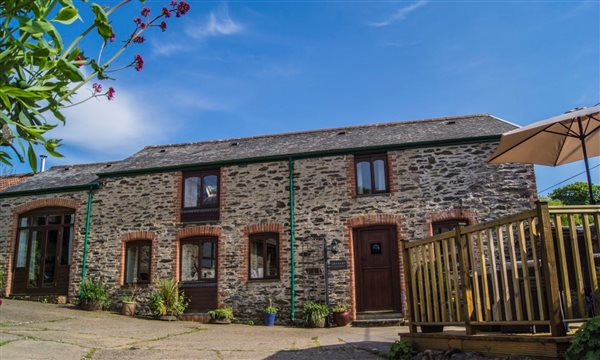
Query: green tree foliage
[(39, 74), (575, 194)]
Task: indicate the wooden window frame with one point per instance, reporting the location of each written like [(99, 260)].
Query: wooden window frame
[(138, 243), (200, 241), (439, 223), (200, 212), (371, 159), (264, 237)]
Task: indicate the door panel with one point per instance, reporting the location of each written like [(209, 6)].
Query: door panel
[(198, 269), (376, 269)]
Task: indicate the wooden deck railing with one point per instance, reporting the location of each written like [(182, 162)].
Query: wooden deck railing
[(533, 268)]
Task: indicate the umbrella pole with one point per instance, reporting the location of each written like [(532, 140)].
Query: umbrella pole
[(585, 160)]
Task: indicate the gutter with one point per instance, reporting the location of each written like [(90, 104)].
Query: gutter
[(88, 217), (302, 155), (292, 241)]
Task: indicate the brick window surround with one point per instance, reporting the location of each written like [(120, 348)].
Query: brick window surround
[(137, 236), (462, 214), (200, 231), (14, 223), (366, 221), (392, 179), (284, 249)]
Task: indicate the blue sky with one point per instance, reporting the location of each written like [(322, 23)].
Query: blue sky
[(241, 68)]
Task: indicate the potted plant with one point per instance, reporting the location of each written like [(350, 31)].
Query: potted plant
[(270, 314), (314, 314), (167, 301), (222, 315), (341, 315), (129, 303), (93, 295)]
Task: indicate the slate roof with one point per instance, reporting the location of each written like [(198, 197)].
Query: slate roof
[(60, 177), (351, 137), (197, 153)]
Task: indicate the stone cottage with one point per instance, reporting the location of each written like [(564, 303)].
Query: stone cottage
[(238, 221)]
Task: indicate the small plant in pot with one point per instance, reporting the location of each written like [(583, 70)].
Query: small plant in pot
[(341, 315), (93, 295), (129, 303), (222, 315), (314, 314), (270, 314), (167, 301)]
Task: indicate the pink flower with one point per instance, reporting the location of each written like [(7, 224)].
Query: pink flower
[(166, 12), (173, 2), (182, 8), (138, 62), (97, 87), (110, 94), (137, 21), (79, 60), (145, 11), (163, 26), (138, 39), (112, 37)]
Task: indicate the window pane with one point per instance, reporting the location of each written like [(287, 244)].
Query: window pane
[(272, 258), (256, 259), (67, 243), (191, 191), (24, 221), (54, 219), (189, 262), (69, 219), (208, 260), (50, 258), (132, 264), (39, 220), (379, 172), (144, 270), (34, 259), (209, 192), (22, 250), (363, 177)]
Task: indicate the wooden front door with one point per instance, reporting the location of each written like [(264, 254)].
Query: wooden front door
[(198, 269), (43, 252), (376, 269)]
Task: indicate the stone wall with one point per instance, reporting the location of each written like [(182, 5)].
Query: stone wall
[(427, 184)]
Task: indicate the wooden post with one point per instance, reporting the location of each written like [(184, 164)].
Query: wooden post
[(469, 309), (550, 274), (407, 264)]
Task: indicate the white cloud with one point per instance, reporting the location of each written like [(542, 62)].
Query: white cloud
[(399, 15), (217, 23), (168, 49), (114, 128)]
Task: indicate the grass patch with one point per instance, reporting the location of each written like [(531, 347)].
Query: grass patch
[(90, 354), (315, 340)]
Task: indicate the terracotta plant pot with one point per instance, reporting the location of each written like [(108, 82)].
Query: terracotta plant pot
[(342, 318), (128, 308)]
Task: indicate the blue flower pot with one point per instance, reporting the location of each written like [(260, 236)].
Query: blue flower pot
[(269, 319)]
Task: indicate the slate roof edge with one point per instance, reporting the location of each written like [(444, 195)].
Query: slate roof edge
[(341, 128), (296, 156), (74, 188)]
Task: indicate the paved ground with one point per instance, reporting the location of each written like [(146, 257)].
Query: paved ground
[(30, 330)]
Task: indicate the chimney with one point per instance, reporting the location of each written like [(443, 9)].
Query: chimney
[(43, 163)]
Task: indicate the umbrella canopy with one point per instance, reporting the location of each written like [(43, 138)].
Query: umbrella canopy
[(559, 140)]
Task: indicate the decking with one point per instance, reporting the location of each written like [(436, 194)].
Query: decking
[(531, 273)]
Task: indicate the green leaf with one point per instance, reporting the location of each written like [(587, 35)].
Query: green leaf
[(32, 158), (101, 21), (67, 15), (69, 70), (37, 27)]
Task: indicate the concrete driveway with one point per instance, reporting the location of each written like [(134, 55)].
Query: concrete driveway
[(30, 330)]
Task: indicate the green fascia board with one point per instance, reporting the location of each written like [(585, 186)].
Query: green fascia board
[(57, 190), (304, 155)]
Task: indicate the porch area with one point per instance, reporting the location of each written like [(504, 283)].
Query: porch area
[(518, 285)]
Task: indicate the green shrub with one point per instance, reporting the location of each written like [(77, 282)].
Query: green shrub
[(224, 313), (340, 308), (400, 350), (314, 312), (271, 309), (167, 300), (93, 291), (586, 342)]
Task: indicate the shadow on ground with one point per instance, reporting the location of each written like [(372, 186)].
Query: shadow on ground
[(346, 350)]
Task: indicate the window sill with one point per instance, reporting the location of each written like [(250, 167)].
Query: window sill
[(372, 195), (260, 281)]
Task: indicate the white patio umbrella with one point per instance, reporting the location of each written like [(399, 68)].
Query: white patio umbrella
[(559, 140)]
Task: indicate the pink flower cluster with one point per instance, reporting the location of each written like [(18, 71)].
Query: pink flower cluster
[(110, 94), (138, 62)]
